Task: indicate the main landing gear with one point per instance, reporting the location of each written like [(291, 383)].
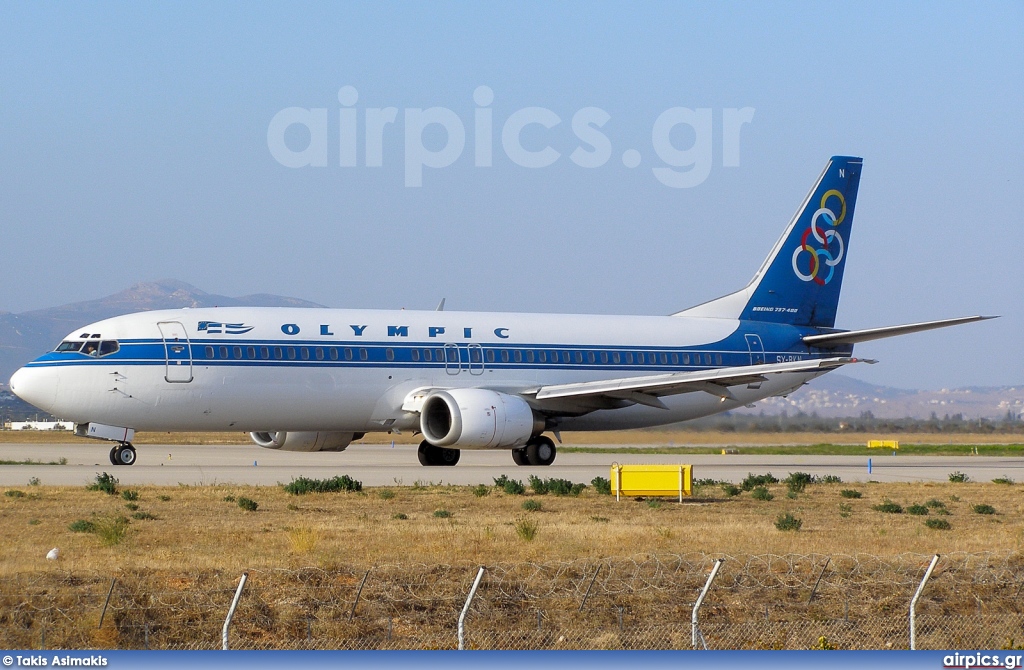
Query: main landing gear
[(123, 454), (431, 455), (539, 450)]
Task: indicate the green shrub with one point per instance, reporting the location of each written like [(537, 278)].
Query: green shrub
[(564, 487), (601, 485), (526, 529), (33, 481), (937, 524), (248, 504), (131, 506), (753, 480), (850, 493), (14, 493), (386, 494), (442, 514), (144, 516), (917, 510), (844, 510), (653, 503), (303, 485), (731, 490), (480, 490), (82, 526), (130, 495), (707, 482), (788, 522), (531, 505), (889, 507), (1003, 480), (958, 477), (229, 498), (600, 519), (935, 503), (798, 481), (984, 509), (831, 479), (761, 493), (164, 498), (399, 516), (512, 487), (104, 482), (538, 485), (791, 494), (111, 530)]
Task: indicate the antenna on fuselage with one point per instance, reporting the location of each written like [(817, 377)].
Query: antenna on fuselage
[(440, 306)]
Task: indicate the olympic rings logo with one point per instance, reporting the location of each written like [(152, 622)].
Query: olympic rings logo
[(823, 261)]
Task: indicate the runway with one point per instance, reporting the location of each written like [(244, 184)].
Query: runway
[(383, 465)]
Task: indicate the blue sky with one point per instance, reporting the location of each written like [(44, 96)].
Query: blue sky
[(134, 146)]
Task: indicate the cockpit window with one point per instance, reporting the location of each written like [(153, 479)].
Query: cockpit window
[(95, 348)]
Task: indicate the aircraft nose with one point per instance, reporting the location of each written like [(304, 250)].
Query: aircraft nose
[(36, 386)]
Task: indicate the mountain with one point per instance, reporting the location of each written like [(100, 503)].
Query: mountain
[(836, 395), (27, 335)]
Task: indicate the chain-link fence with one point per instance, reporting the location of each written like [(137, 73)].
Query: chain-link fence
[(644, 602)]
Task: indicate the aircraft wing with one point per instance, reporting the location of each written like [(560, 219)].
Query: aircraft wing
[(855, 336), (646, 390)]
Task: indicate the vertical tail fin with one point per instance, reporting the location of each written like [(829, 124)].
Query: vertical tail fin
[(799, 282)]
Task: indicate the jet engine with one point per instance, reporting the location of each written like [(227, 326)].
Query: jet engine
[(303, 441), (477, 419)]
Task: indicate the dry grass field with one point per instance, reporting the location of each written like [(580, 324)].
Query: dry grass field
[(203, 528)]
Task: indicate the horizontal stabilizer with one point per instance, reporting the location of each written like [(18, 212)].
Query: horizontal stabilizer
[(856, 336)]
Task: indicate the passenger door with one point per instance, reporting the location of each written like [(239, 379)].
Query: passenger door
[(178, 352)]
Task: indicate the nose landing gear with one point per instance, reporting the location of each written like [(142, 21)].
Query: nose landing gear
[(123, 454)]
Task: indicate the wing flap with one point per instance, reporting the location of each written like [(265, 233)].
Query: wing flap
[(716, 382)]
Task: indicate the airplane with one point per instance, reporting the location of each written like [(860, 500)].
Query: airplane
[(302, 379)]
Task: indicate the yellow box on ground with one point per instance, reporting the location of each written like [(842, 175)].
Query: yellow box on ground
[(652, 480), (883, 444)]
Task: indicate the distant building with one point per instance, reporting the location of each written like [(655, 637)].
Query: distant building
[(37, 425)]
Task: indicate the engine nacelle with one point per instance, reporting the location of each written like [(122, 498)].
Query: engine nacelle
[(477, 419), (303, 441)]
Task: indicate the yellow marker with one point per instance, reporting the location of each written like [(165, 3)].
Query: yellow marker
[(883, 444), (652, 480)]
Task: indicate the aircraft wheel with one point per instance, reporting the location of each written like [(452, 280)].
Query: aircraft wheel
[(448, 456), (113, 455), (124, 455), (519, 457), (540, 451), (425, 452), (431, 455)]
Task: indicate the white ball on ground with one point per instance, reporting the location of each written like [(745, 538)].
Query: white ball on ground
[(53, 554)]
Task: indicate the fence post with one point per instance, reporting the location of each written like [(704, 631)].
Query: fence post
[(106, 602), (820, 575), (913, 603), (465, 610), (695, 631), (358, 593), (231, 612), (592, 580)]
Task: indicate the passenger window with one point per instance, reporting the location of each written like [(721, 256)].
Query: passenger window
[(250, 352), (707, 359), (389, 354), (304, 352), (237, 351), (664, 358), (490, 355), (209, 352), (718, 359), (565, 357), (439, 355), (616, 357), (334, 353), (223, 352), (518, 356), (629, 356), (579, 356), (291, 353), (348, 354), (504, 355), (686, 359), (591, 358), (675, 358), (529, 356), (604, 356), (415, 355), (428, 355), (542, 356), (364, 355), (264, 353), (278, 353), (319, 353), (474, 355), (640, 357)]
